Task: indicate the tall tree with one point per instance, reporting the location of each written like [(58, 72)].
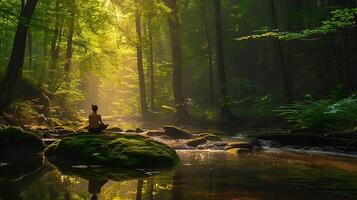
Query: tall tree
[(279, 53), (151, 64), (176, 50), (139, 54), (16, 62), (226, 113), (70, 23), (209, 47)]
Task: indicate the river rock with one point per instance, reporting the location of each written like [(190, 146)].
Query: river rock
[(165, 137), (2, 126), (244, 145), (122, 151), (139, 130), (239, 151), (63, 130), (177, 133), (195, 142), (155, 134), (15, 141), (115, 129), (209, 137)]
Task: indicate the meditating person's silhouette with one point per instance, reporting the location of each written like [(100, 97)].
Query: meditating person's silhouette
[(96, 124)]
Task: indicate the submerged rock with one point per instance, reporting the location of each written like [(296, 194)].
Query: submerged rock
[(15, 141), (177, 133), (122, 151), (195, 142)]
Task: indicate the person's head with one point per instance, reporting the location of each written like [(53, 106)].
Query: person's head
[(95, 108)]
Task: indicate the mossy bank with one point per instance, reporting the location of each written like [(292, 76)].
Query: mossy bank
[(120, 150)]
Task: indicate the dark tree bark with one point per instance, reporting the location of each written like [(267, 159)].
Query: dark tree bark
[(69, 50), (279, 54), (139, 53), (15, 65), (226, 113), (210, 58), (175, 35)]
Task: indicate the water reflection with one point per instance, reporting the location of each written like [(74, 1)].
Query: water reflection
[(94, 188), (201, 175)]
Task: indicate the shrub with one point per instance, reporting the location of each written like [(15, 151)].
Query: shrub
[(327, 114)]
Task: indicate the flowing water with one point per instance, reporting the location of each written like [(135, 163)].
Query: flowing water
[(201, 175)]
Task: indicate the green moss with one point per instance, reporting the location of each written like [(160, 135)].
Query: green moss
[(209, 137), (15, 141), (124, 151)]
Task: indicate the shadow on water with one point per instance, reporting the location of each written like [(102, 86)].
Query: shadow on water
[(206, 175)]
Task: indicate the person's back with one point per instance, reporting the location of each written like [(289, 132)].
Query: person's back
[(95, 121)]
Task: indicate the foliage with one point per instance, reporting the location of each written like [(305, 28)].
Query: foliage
[(340, 19), (327, 114)]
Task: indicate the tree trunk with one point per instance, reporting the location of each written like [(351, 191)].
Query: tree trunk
[(55, 45), (279, 54), (45, 49), (175, 35), (151, 66), (210, 59), (15, 65), (69, 50), (30, 48), (226, 113), (139, 53)]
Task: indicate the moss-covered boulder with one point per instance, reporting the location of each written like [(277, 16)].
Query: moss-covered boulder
[(122, 151), (15, 141)]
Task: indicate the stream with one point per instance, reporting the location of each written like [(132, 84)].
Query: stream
[(204, 175)]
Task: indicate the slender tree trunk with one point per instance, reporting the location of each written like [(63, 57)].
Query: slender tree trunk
[(30, 50), (226, 113), (69, 50), (139, 53), (45, 49), (55, 45), (279, 54), (151, 66), (175, 34), (210, 58), (15, 65)]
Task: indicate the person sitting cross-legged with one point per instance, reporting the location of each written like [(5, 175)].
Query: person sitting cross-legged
[(96, 124)]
